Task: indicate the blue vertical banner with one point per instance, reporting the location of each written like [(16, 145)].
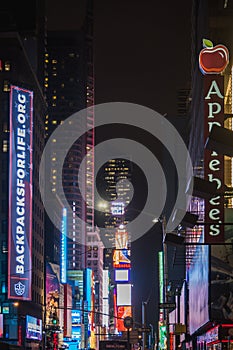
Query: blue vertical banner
[(20, 194), (64, 247)]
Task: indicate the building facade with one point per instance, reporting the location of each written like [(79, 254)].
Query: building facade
[(18, 79)]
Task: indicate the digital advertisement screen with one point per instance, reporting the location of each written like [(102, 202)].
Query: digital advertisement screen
[(124, 294), (105, 283), (121, 259), (52, 288), (76, 317), (121, 275), (105, 316), (76, 333), (20, 194), (221, 290), (121, 239), (89, 287), (1, 325), (198, 276), (118, 209), (64, 246), (33, 328), (122, 312)]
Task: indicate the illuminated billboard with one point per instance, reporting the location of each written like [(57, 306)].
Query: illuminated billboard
[(198, 276), (121, 259), (214, 162), (33, 328), (20, 194), (121, 275), (67, 309), (105, 316), (52, 289), (122, 312), (64, 246), (121, 239), (1, 325), (105, 287), (118, 209), (77, 333), (124, 294), (76, 317)]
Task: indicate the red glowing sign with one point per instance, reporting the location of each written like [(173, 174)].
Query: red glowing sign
[(213, 59), (122, 312), (55, 341)]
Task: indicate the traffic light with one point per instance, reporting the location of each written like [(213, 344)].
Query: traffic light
[(163, 336)]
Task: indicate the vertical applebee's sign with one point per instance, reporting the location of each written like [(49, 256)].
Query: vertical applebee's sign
[(213, 61)]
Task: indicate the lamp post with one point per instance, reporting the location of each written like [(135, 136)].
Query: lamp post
[(165, 265), (151, 336), (144, 303)]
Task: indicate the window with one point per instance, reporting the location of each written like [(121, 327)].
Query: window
[(4, 247), (3, 267), (3, 287), (7, 66), (6, 86)]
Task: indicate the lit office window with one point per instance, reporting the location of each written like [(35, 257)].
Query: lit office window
[(7, 66), (6, 86), (5, 146)]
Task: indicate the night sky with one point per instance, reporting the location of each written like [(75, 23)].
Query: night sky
[(141, 55)]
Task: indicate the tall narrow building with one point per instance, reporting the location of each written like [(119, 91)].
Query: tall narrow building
[(21, 208), (69, 88)]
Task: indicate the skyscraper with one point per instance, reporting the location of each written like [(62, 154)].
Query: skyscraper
[(69, 88), (21, 209)]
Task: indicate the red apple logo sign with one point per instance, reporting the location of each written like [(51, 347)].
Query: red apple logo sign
[(213, 59)]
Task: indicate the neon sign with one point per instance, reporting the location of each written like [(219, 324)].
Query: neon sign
[(214, 162)]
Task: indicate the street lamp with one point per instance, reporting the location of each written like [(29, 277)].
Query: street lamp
[(144, 303)]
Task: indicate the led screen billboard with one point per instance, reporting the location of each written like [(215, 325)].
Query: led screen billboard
[(121, 258), (33, 328), (64, 247), (121, 239), (77, 333), (122, 312), (221, 287), (198, 276), (76, 317), (1, 325), (121, 275), (20, 194), (124, 294), (117, 208), (105, 283)]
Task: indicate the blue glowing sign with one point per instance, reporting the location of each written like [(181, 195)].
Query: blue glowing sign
[(20, 194), (64, 247)]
